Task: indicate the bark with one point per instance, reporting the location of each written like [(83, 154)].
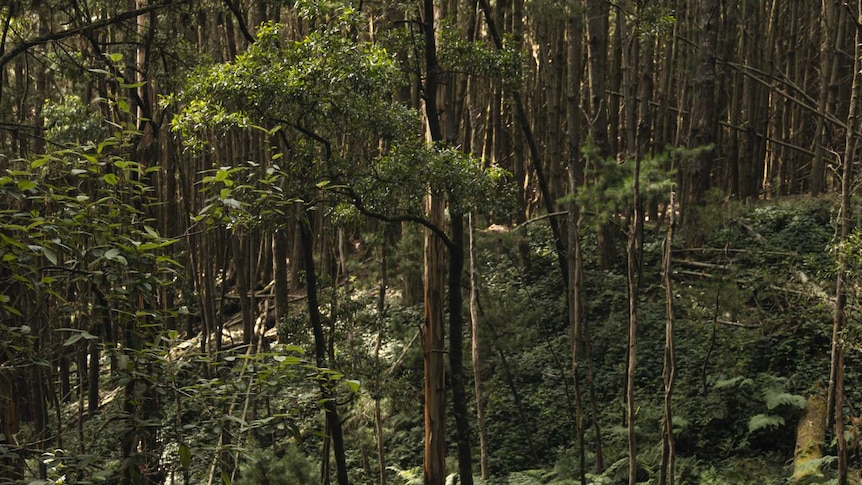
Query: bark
[(327, 390), (632, 252), (93, 379), (666, 466), (597, 23), (829, 12), (280, 275), (836, 380), (381, 312), (239, 246), (477, 352), (434, 465), (575, 325), (810, 435), (696, 177), (456, 350)]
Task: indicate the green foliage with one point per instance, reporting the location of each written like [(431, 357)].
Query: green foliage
[(290, 467), (70, 122), (329, 97), (764, 422), (399, 179), (609, 191), (320, 85), (460, 55)]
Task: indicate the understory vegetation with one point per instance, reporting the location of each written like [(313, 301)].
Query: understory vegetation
[(752, 339)]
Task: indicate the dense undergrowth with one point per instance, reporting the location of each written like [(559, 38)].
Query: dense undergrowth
[(753, 322)]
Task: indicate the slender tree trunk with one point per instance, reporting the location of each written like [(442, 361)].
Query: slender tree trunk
[(280, 275), (456, 352), (434, 349), (381, 312), (666, 467), (240, 244), (597, 23), (93, 379), (836, 381), (632, 253), (704, 121), (575, 309), (327, 390), (828, 39), (477, 351)]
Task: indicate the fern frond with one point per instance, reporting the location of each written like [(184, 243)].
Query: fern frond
[(777, 397), (763, 421), (738, 381), (812, 467)]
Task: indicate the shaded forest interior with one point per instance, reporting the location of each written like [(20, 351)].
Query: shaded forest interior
[(508, 242)]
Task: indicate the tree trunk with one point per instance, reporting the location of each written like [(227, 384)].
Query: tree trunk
[(597, 22), (456, 350), (477, 352), (280, 275), (435, 377), (575, 310), (666, 467), (434, 465), (632, 263), (810, 435), (381, 312), (829, 13), (836, 380), (704, 121), (327, 388)]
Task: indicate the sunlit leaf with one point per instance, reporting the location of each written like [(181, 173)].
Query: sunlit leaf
[(185, 455), (25, 185)]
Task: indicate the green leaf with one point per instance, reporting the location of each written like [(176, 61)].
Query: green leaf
[(50, 254), (165, 259), (352, 384), (113, 254), (72, 339), (123, 105), (185, 456), (235, 419), (222, 175), (111, 179), (132, 85), (25, 185), (115, 57)]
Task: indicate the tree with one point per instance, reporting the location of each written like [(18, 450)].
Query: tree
[(836, 394)]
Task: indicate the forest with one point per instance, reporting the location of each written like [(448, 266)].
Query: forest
[(438, 242)]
